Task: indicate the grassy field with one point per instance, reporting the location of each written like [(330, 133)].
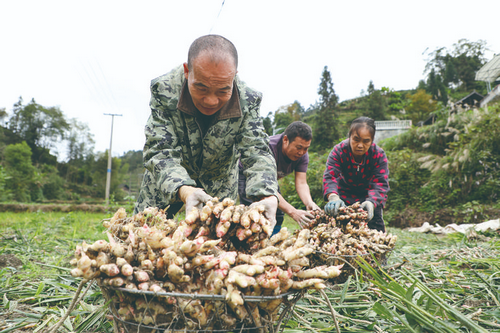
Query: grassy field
[(430, 284)]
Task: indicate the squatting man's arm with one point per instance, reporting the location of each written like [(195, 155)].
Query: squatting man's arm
[(302, 217)]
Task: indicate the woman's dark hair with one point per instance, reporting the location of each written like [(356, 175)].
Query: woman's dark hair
[(361, 122), (298, 129)]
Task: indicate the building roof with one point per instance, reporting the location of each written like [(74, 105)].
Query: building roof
[(471, 99), (490, 72)]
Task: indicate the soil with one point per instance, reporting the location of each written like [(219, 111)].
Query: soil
[(411, 217), (10, 260)]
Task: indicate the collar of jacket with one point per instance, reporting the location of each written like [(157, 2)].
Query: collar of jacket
[(232, 109)]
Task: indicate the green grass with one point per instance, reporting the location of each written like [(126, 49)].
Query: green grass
[(290, 224), (42, 240), (430, 284), (38, 292)]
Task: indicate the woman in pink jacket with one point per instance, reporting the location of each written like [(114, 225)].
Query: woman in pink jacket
[(357, 170)]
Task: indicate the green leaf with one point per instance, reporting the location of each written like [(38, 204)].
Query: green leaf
[(397, 288), (344, 290), (40, 288), (409, 292), (320, 324), (382, 311), (412, 320)]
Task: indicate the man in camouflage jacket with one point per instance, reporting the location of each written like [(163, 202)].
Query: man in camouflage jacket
[(203, 118)]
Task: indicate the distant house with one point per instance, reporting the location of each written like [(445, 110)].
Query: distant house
[(471, 100)]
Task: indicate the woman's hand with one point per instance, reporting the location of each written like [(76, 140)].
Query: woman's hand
[(333, 205)]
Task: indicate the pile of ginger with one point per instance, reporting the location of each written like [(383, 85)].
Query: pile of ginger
[(223, 249)]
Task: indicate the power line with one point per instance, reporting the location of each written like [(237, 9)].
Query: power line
[(223, 1), (107, 84), (100, 90), (108, 173), (91, 86)]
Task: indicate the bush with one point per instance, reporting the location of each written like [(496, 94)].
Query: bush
[(448, 164), (4, 193), (21, 172), (53, 186), (406, 179)]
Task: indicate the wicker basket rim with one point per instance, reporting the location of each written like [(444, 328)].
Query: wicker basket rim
[(353, 255), (214, 297)]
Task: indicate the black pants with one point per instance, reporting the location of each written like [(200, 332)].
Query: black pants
[(242, 183), (377, 222)]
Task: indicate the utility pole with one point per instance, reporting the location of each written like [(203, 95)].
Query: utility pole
[(108, 174)]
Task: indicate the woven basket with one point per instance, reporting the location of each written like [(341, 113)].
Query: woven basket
[(145, 318)]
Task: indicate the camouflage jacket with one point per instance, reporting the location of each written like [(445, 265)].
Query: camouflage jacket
[(176, 153)]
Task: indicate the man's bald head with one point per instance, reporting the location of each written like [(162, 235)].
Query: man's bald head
[(218, 47)]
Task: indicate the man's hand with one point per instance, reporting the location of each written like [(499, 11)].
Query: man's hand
[(369, 207), (270, 204), (193, 197), (333, 205), (302, 217), (313, 206)]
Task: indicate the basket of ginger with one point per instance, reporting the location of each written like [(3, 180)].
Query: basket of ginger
[(216, 270), (346, 237)]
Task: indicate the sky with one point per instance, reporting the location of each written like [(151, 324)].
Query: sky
[(92, 58)]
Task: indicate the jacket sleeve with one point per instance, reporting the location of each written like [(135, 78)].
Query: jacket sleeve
[(379, 181), (257, 159), (332, 172), (162, 150)]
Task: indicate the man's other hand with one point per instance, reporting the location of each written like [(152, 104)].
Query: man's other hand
[(193, 197), (270, 205), (302, 217), (313, 206)]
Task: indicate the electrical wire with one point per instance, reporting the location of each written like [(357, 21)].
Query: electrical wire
[(223, 1), (96, 86)]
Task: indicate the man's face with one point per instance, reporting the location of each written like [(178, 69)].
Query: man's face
[(295, 149), (210, 84)]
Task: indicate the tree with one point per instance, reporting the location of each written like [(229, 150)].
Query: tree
[(421, 105), (396, 102), (99, 176), (52, 185), (325, 119), (20, 170), (285, 115), (80, 156), (457, 68), (133, 161), (3, 115), (281, 120), (436, 87), (4, 192), (268, 124), (39, 126), (375, 104), (80, 141)]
